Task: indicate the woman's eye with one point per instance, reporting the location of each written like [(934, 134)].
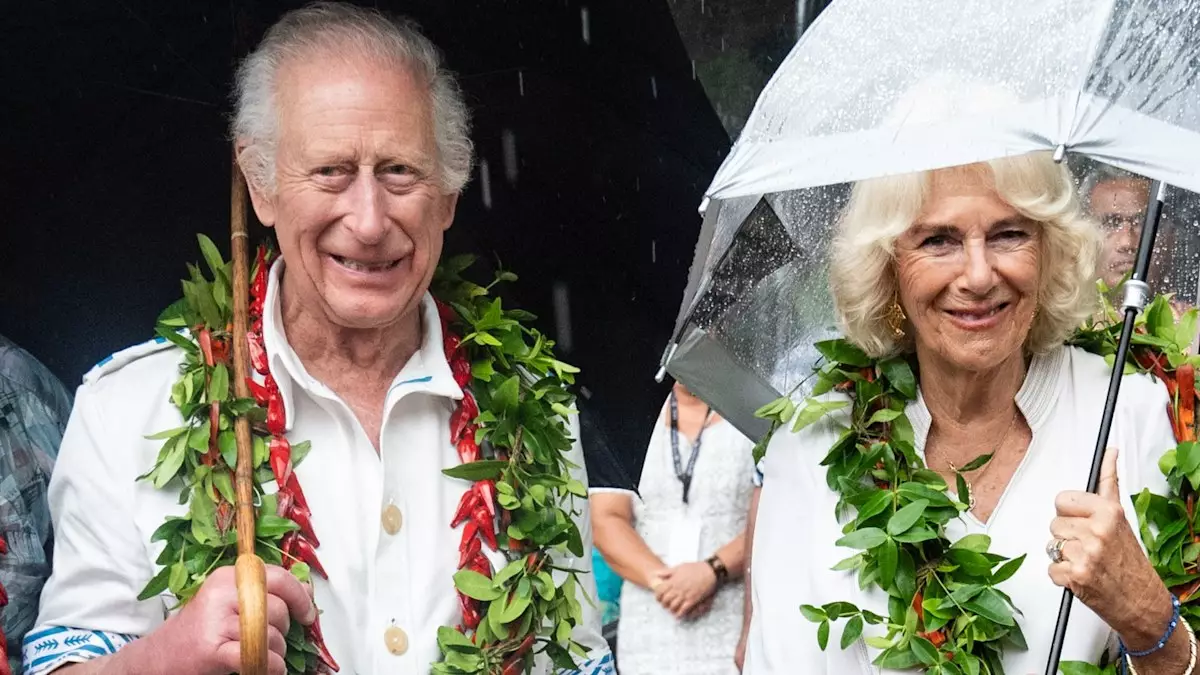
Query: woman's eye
[(1011, 236), (936, 241)]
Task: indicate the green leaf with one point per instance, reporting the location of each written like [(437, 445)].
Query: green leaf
[(1007, 570), (300, 451), (815, 410), (1160, 320), (848, 564), (212, 256), (175, 338), (513, 610), (301, 571), (841, 351), (924, 650), (992, 607), (852, 631), (875, 505), (964, 490), (900, 374), (906, 517), (171, 464), (1078, 668), (179, 578), (157, 585), (976, 463), (882, 416), (505, 398), (887, 557), (823, 635), (273, 526), (814, 614), (978, 543), (224, 484), (1187, 457), (916, 535), (227, 443), (868, 537), (484, 469), (1185, 332), (510, 570), (474, 585), (218, 388), (169, 433)]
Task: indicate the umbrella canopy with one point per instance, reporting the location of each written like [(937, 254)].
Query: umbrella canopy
[(877, 89)]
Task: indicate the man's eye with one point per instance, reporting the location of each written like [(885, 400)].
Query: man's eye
[(331, 171), (397, 170)]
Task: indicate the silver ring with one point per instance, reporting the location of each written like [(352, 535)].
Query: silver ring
[(1054, 550)]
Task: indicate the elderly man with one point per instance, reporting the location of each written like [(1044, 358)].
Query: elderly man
[(354, 141)]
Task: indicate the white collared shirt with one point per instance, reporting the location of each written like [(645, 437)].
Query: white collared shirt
[(1062, 400), (103, 518)]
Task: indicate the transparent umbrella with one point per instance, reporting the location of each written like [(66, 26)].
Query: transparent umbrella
[(884, 88)]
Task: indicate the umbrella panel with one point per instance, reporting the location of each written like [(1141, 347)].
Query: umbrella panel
[(761, 298)]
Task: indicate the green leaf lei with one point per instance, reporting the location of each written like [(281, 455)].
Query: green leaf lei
[(946, 614), (522, 438)]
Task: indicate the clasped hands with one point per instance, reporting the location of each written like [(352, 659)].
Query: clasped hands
[(685, 590)]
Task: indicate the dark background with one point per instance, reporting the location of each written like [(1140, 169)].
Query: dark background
[(599, 124)]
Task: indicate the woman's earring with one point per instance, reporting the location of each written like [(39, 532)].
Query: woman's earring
[(895, 319)]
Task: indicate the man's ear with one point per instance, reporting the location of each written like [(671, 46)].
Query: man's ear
[(251, 162)]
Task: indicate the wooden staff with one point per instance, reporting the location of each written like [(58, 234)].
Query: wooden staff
[(251, 573)]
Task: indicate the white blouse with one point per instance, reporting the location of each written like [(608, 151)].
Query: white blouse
[(1062, 400)]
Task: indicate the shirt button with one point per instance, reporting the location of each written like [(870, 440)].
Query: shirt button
[(392, 519), (396, 640)]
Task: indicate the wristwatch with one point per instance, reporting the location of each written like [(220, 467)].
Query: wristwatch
[(718, 569)]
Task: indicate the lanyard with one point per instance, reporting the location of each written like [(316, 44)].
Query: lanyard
[(685, 476)]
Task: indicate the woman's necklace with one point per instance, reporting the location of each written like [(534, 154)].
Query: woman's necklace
[(970, 487)]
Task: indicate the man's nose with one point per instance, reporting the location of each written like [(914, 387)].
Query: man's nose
[(367, 217)]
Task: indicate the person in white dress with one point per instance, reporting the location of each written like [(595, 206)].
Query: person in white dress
[(982, 272), (355, 143), (680, 546)]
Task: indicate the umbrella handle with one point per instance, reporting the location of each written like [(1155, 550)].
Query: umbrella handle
[(251, 573)]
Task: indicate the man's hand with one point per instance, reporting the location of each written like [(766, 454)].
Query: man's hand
[(202, 639), (682, 588)]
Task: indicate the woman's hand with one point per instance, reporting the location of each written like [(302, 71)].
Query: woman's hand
[(682, 588), (1103, 563)]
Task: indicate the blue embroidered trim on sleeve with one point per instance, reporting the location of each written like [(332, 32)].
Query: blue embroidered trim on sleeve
[(51, 648), (600, 666)]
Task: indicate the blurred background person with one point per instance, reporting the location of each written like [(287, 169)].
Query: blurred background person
[(34, 408), (681, 547)]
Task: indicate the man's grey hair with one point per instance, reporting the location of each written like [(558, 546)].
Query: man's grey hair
[(331, 27), (1098, 173)]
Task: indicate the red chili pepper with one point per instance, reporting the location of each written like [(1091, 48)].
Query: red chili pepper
[(318, 640), (487, 495), (470, 612), (281, 459), (469, 532), (214, 427), (258, 391), (258, 353), (469, 406), (450, 345), (460, 368), (486, 526), (481, 565), (468, 450), (3, 546), (465, 506), (467, 551), (220, 350), (224, 517), (288, 545), (306, 553), (275, 417), (293, 488), (446, 312), (258, 287), (1187, 400), (303, 517), (283, 503), (205, 339)]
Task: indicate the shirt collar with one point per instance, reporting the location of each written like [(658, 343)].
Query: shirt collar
[(1035, 399), (426, 371)]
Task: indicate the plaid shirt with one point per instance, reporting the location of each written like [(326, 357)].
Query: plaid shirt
[(34, 408)]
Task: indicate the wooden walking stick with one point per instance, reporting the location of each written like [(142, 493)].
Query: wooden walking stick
[(251, 573)]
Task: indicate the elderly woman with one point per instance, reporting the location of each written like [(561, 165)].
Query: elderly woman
[(978, 274)]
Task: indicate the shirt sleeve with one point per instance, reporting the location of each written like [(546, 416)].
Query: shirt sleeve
[(89, 606), (589, 632)]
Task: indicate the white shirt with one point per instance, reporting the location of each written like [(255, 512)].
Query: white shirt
[(103, 518), (1062, 399)]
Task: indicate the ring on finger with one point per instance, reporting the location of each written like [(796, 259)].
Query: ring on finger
[(1054, 550)]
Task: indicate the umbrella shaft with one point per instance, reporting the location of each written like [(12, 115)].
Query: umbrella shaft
[(1140, 272)]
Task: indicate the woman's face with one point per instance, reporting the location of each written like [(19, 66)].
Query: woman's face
[(968, 271)]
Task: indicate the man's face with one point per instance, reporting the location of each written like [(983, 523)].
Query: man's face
[(357, 209), (1120, 206)]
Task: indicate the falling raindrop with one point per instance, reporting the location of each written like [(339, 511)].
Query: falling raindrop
[(693, 69), (485, 183), (722, 43), (585, 20), (562, 315), (521, 81), (653, 87), (701, 7), (508, 143), (585, 392), (654, 251), (637, 183)]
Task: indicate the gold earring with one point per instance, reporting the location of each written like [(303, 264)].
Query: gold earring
[(895, 318)]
